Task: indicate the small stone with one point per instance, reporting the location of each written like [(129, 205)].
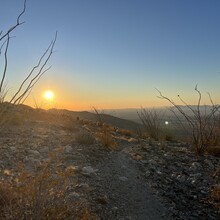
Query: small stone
[(147, 173), (159, 172), (36, 163), (209, 163), (123, 178), (84, 185), (181, 178), (88, 171), (73, 196), (115, 208), (7, 172), (44, 149), (13, 148), (195, 166), (67, 149), (34, 153)]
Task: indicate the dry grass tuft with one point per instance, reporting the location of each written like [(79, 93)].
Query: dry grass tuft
[(41, 195), (8, 117), (213, 150), (126, 132), (106, 138), (214, 197), (84, 137)]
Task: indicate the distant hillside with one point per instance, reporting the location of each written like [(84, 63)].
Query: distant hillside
[(51, 114), (85, 115), (131, 113)]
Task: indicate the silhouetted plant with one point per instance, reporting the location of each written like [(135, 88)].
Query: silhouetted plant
[(201, 126), (153, 122), (36, 72), (99, 116)]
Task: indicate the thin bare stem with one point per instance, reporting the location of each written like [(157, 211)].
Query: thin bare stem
[(6, 62), (204, 125), (15, 99), (18, 23)]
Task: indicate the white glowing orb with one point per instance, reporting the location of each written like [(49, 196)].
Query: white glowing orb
[(49, 95), (166, 122)]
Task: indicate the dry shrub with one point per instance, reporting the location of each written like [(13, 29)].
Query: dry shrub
[(42, 195), (9, 117), (213, 150), (152, 121), (200, 124), (106, 138), (84, 137), (69, 123), (214, 197), (126, 132)]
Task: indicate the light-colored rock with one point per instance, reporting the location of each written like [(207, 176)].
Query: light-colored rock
[(68, 149), (44, 149), (88, 171), (123, 178), (195, 166), (34, 153)]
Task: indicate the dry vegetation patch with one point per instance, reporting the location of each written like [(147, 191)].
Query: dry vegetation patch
[(104, 135)]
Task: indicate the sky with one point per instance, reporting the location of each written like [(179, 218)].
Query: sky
[(112, 54)]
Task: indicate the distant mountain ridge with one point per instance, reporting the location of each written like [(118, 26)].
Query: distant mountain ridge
[(38, 114), (106, 118), (131, 113)]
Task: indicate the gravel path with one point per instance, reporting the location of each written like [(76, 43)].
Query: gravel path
[(121, 192)]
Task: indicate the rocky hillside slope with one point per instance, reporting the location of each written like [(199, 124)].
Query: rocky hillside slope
[(75, 169)]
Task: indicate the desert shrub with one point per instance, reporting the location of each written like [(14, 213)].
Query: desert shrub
[(69, 123), (153, 122), (105, 137), (169, 137), (126, 132), (40, 195), (214, 196), (85, 137), (9, 116), (99, 116), (202, 126), (213, 150)]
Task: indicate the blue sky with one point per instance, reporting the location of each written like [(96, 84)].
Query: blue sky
[(113, 54)]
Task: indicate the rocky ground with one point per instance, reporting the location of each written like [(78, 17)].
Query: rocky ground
[(136, 179)]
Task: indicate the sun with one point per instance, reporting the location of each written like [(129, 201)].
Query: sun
[(49, 95)]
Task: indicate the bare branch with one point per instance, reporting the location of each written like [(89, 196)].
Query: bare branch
[(27, 92), (15, 99), (204, 126), (6, 62), (18, 23)]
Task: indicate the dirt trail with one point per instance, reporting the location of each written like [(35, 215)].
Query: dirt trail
[(121, 192)]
